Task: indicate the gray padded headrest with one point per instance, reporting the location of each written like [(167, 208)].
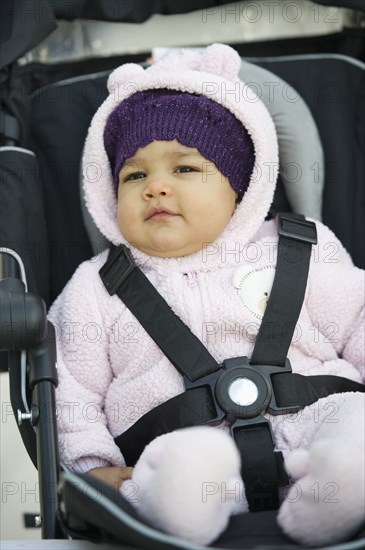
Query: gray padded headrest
[(300, 148)]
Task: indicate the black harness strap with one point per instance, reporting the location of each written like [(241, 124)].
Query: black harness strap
[(121, 276), (262, 468), (207, 401), (297, 389), (296, 236), (182, 411)]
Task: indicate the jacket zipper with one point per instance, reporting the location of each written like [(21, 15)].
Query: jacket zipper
[(192, 282)]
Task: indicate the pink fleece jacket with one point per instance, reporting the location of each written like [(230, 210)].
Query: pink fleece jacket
[(110, 370)]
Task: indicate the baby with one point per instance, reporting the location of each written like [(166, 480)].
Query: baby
[(180, 171)]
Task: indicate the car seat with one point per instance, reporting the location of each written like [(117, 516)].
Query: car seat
[(81, 506)]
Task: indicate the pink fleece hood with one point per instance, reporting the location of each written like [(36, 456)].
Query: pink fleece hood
[(213, 73)]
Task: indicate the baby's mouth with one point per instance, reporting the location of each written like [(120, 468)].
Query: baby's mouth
[(160, 213)]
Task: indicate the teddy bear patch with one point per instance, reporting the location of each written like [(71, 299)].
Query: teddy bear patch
[(253, 287)]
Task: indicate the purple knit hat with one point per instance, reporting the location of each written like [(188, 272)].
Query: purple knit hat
[(194, 120)]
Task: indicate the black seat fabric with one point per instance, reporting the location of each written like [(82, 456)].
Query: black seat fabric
[(61, 114), (333, 87)]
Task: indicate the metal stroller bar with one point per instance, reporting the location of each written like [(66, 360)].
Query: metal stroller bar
[(25, 326), (43, 381)]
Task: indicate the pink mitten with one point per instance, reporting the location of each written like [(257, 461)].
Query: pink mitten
[(326, 504), (189, 483)]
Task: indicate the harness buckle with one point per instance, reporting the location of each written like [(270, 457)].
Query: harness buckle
[(297, 229), (243, 392), (238, 390), (116, 270)]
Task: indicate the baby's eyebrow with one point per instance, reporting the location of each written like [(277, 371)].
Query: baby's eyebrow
[(186, 153), (130, 163), (178, 153)]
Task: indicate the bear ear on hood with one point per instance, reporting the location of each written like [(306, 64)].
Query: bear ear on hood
[(177, 61), (122, 75), (221, 60), (217, 59)]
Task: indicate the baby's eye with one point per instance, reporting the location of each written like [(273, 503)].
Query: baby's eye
[(185, 169), (135, 176)]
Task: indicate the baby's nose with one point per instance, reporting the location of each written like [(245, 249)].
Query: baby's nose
[(157, 187)]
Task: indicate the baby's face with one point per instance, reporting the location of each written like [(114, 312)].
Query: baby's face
[(171, 200)]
